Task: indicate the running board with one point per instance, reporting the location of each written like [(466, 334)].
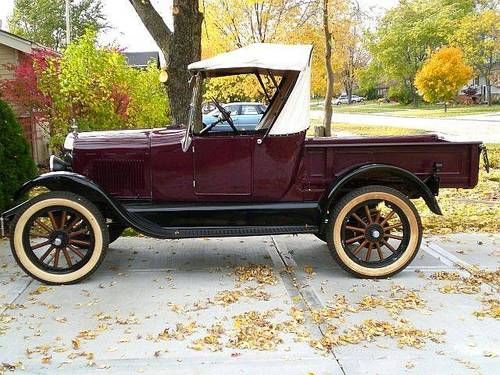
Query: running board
[(240, 231)]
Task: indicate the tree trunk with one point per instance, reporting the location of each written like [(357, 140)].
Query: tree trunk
[(488, 90), (327, 121), (185, 49), (180, 47)]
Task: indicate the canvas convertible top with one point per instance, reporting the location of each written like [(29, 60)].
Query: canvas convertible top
[(257, 56), (266, 58)]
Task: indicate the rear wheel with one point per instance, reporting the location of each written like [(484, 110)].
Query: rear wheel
[(375, 232), (59, 238)]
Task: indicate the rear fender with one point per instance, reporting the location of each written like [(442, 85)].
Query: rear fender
[(380, 174)]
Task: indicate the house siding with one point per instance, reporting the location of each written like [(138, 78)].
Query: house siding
[(8, 55)]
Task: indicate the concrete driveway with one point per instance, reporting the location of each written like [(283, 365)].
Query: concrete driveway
[(254, 305), (485, 127)]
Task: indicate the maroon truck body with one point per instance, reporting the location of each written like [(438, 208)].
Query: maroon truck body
[(150, 165), (352, 193)]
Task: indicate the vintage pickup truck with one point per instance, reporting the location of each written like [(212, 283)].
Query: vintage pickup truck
[(173, 183)]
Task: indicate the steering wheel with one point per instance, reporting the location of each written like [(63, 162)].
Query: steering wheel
[(225, 116)]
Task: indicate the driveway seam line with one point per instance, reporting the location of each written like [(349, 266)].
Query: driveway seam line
[(17, 296), (306, 293), (462, 264)]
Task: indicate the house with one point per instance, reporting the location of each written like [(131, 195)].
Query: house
[(479, 83), (12, 50), (141, 60)]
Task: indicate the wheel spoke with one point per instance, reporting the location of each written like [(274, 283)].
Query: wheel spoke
[(354, 239), (68, 258), (394, 236), (73, 223), (355, 229), (56, 257), (379, 251), (76, 251), (358, 249), (389, 246), (78, 242), (395, 226), (377, 218), (63, 219), (359, 219), (369, 253), (40, 223), (39, 245), (53, 220), (46, 254), (78, 233), (391, 214), (368, 214)]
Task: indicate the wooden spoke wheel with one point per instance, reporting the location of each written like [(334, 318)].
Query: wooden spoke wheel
[(59, 238), (375, 232)]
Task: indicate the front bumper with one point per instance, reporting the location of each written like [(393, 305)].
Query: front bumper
[(6, 218)]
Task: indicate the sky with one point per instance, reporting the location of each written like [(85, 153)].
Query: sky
[(128, 31)]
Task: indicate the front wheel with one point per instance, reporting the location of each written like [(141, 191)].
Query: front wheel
[(374, 232), (59, 238)]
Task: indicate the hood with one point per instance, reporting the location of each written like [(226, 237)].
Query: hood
[(130, 138), (105, 139)]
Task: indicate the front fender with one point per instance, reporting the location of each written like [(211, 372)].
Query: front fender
[(379, 174), (75, 183)]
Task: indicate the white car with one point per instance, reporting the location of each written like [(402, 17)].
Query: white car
[(344, 99)]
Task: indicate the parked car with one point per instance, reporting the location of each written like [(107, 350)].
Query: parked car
[(207, 107), (245, 115), (353, 193), (344, 99)]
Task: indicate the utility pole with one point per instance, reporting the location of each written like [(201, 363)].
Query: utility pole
[(68, 22)]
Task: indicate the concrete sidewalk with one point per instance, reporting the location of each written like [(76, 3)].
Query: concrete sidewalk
[(179, 307)]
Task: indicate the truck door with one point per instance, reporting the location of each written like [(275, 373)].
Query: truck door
[(223, 165)]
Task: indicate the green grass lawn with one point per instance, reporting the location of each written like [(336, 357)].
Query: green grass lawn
[(423, 110), (366, 130)]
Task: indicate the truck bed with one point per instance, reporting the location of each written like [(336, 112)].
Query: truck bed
[(328, 158)]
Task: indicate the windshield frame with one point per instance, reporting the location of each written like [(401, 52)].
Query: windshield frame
[(186, 140)]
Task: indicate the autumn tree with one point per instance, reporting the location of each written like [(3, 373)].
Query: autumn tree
[(442, 75), (180, 46), (43, 21), (478, 35), (23, 89), (407, 33), (90, 84)]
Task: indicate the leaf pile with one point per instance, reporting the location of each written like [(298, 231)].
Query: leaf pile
[(254, 330), (227, 297), (470, 284), (370, 329), (256, 272), (407, 300), (211, 341), (491, 308), (182, 330)]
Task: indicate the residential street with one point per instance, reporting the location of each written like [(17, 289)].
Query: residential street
[(485, 127), (151, 300)]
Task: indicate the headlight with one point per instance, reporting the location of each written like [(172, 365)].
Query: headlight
[(57, 164)]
